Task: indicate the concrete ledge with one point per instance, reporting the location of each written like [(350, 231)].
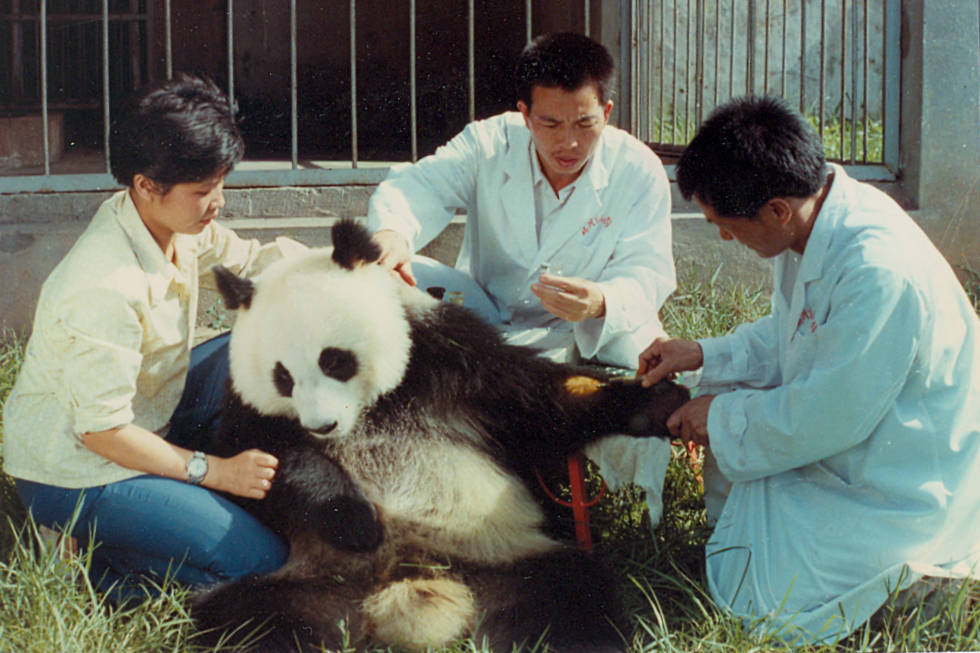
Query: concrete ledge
[(28, 253)]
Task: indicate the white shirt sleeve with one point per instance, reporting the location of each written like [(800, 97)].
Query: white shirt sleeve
[(419, 200), (748, 356), (101, 359), (860, 359)]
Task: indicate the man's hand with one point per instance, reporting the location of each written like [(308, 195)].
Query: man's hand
[(248, 474), (666, 356), (570, 298), (690, 421), (396, 255)]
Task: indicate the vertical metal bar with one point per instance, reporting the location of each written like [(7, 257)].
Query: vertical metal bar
[(105, 82), (660, 76), (854, 79), (843, 71), (731, 54), (891, 83), (765, 54), (750, 49), (714, 95), (470, 57), (168, 37), (527, 19), (135, 43), (625, 56), (643, 72), (293, 89), (823, 27), (802, 56), (44, 87), (587, 17), (699, 54), (231, 51), (353, 83), (782, 76), (673, 79), (413, 90), (864, 77), (687, 73)]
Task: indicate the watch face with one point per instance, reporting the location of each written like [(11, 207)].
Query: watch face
[(197, 467)]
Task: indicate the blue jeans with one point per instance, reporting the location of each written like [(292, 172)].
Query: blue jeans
[(155, 527)]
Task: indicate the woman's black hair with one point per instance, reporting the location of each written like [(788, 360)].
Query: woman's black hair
[(175, 131), (564, 60), (749, 151)]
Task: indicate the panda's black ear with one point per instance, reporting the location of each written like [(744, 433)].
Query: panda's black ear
[(235, 290), (352, 245)]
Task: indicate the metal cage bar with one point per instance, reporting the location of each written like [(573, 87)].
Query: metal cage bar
[(105, 84), (757, 46), (679, 59)]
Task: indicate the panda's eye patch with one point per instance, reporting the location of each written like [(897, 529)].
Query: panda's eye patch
[(340, 364), (283, 380)]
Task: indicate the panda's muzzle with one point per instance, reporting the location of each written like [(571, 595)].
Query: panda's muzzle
[(325, 429)]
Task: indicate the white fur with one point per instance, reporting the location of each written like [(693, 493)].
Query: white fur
[(327, 306)]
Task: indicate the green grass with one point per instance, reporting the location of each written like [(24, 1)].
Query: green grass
[(46, 603), (679, 131)]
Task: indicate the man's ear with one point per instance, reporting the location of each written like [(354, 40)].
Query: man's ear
[(780, 210), (606, 110), (525, 111)]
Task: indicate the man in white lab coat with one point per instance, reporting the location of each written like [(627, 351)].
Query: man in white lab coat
[(549, 187), (844, 427)]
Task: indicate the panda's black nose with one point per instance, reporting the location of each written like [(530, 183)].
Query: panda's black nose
[(325, 429)]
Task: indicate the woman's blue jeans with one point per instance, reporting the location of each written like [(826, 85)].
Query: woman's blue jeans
[(155, 527)]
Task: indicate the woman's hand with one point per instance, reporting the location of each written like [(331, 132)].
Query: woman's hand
[(248, 474)]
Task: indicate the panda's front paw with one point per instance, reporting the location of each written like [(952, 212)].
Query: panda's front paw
[(351, 524)]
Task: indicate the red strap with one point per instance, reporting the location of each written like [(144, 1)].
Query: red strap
[(580, 503)]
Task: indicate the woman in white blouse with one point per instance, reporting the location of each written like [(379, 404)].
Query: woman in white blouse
[(112, 407)]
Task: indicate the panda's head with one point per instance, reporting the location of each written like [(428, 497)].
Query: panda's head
[(320, 335)]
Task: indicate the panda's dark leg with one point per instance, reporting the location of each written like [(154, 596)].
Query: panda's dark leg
[(273, 615), (567, 599), (626, 407)]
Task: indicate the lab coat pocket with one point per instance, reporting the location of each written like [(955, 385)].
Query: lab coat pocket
[(586, 253)]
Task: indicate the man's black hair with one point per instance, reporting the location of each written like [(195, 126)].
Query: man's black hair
[(749, 151), (564, 60), (175, 131)]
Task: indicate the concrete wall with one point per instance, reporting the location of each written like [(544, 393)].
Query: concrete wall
[(940, 138)]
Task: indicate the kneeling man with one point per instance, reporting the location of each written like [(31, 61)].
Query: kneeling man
[(844, 427)]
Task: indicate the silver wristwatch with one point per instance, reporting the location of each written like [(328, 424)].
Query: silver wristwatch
[(197, 468)]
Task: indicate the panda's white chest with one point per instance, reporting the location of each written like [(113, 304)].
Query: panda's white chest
[(457, 497)]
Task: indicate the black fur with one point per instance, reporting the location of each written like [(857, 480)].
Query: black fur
[(236, 291), (463, 389), (312, 494), (353, 245)]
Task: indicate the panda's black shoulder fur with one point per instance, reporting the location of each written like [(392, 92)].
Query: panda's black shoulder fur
[(460, 365)]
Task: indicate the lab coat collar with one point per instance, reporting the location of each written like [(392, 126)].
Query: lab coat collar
[(517, 198), (830, 215)]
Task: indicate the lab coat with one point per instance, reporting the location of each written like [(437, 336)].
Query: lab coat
[(614, 229), (852, 443)]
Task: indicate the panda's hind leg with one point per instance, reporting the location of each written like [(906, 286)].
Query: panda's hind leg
[(567, 599), (419, 613), (271, 614)]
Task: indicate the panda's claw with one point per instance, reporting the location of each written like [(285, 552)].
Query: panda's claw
[(351, 524)]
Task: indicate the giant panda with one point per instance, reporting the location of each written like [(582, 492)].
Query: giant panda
[(408, 435)]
